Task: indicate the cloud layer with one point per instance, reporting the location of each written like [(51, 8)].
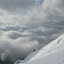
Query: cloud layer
[(12, 50), (26, 25)]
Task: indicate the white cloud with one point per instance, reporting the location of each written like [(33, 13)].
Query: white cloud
[(37, 15), (12, 50), (54, 5)]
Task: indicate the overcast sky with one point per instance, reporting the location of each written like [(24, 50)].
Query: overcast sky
[(26, 25)]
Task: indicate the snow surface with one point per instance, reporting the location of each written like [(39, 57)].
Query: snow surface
[(53, 53)]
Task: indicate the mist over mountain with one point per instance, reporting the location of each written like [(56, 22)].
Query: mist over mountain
[(28, 25)]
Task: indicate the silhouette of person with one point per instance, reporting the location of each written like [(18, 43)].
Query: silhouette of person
[(58, 41), (34, 50)]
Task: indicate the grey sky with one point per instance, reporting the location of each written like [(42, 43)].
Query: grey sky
[(16, 4)]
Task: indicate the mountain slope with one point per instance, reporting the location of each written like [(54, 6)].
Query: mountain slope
[(53, 53)]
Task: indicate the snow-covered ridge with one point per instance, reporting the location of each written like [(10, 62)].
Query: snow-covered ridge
[(53, 53), (51, 47)]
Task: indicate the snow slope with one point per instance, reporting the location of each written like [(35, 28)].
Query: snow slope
[(53, 53)]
